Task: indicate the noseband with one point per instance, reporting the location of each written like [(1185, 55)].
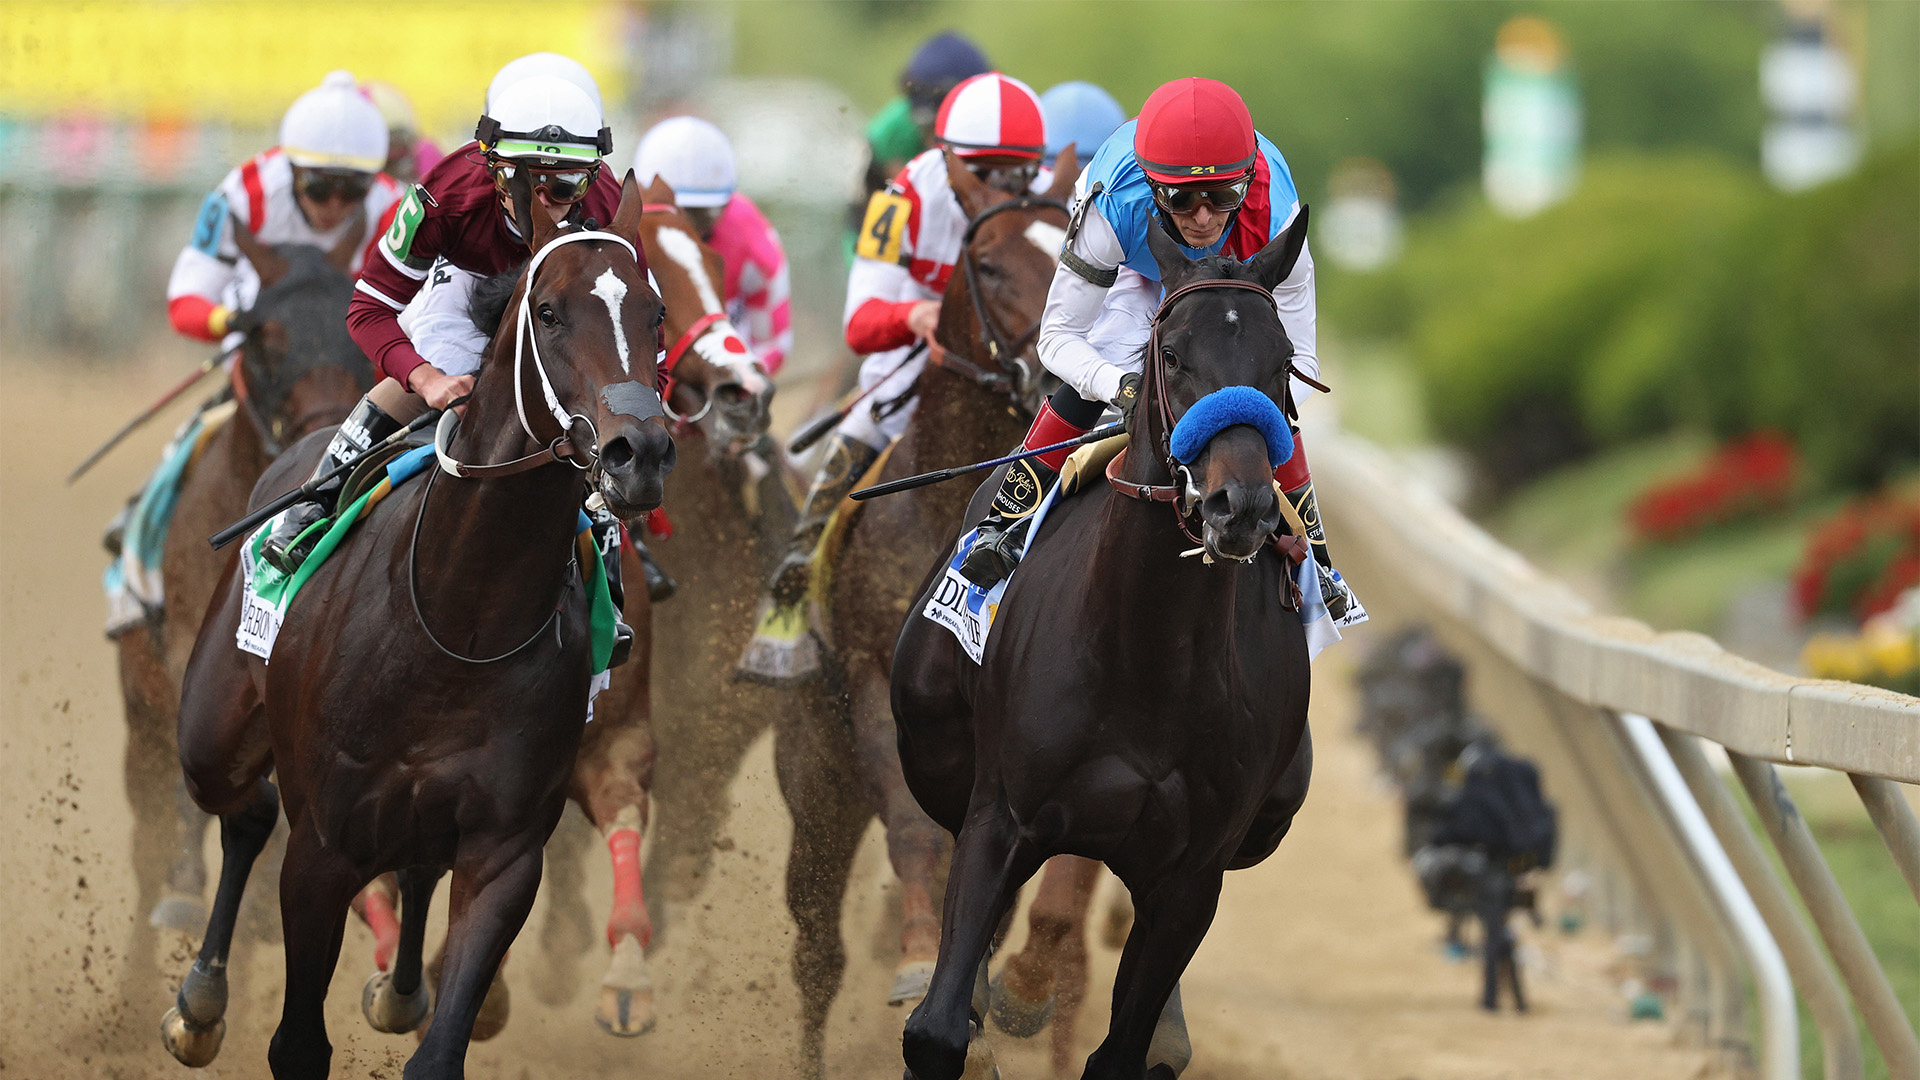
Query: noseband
[(1014, 382)]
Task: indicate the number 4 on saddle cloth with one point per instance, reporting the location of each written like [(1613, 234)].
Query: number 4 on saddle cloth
[(967, 611), (269, 592)]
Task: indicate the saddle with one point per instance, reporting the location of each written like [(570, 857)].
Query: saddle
[(372, 468)]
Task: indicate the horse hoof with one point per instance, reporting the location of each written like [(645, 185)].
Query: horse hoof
[(625, 1011), (388, 1010), (178, 911), (1015, 1015), (910, 982), (194, 1047), (494, 1009)]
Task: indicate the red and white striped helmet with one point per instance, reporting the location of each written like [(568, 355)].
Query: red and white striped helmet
[(992, 114)]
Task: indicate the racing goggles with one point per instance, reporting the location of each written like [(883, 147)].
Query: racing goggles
[(1180, 199), (1013, 179), (564, 184), (326, 185)]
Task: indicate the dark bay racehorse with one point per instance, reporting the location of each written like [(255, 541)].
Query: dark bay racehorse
[(424, 713), (297, 372), (1133, 705), (837, 772)]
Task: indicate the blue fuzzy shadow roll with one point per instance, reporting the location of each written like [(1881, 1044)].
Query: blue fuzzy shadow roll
[(1224, 408)]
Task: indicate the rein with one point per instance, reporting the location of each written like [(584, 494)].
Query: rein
[(413, 587), (1001, 350)]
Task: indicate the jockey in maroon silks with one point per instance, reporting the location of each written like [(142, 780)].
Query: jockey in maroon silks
[(1193, 166), (548, 128)]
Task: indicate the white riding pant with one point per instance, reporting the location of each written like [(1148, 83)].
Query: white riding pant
[(878, 372)]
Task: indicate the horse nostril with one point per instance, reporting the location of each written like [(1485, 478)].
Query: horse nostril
[(617, 454), (1217, 507), (731, 394)]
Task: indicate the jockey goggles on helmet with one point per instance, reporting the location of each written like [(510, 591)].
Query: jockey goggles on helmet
[(1183, 199), (325, 185), (1015, 178), (564, 184)]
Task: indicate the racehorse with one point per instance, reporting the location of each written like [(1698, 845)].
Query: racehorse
[(1132, 705), (976, 396), (297, 371), (425, 713)]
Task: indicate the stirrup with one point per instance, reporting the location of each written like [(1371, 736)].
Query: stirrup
[(995, 553), (293, 537), (622, 643)]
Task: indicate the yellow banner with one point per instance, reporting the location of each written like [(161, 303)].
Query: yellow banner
[(244, 61)]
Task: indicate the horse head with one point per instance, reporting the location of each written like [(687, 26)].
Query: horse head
[(709, 369), (1215, 381), (299, 369), (578, 347), (1007, 262)]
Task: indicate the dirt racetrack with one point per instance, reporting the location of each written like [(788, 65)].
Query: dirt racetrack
[(1322, 963)]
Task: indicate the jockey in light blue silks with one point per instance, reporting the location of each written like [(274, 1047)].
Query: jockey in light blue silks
[(1192, 165)]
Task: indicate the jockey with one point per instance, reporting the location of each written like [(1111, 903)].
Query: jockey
[(409, 154), (696, 160), (1192, 165), (460, 212), (308, 190), (902, 129), (1079, 113), (908, 247)]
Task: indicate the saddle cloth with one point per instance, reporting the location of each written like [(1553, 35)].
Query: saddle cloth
[(133, 581)]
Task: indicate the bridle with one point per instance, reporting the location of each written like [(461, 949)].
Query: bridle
[(1016, 381), (1184, 494), (526, 342)]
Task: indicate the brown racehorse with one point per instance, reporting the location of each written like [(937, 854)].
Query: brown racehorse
[(424, 714), (838, 772), (1132, 705), (297, 372)]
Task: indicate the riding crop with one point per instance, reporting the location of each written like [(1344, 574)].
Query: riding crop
[(306, 491), (201, 372), (908, 483), (813, 432)]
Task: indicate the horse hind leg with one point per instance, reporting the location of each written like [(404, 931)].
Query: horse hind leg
[(1028, 990), (180, 905), (492, 893), (829, 819), (396, 998), (1173, 919), (193, 1029), (567, 933)]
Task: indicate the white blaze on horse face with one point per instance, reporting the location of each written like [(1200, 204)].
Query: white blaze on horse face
[(1048, 238), (680, 246), (614, 291), (684, 250)]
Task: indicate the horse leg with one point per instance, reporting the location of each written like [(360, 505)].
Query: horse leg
[(493, 891), (626, 992), (567, 933), (1173, 918), (397, 999), (317, 887), (829, 818), (375, 905), (1054, 958), (914, 842), (193, 1028), (989, 866)]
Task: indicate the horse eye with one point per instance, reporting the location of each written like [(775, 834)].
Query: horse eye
[(547, 317), (659, 317), (1168, 358)]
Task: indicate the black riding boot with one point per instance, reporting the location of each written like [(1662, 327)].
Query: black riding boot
[(996, 550), (659, 585), (606, 537), (1333, 590), (365, 425), (846, 462)]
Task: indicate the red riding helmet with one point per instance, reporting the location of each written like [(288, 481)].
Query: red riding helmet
[(1194, 130), (992, 115)]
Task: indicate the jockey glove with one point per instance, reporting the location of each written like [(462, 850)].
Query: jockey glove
[(1129, 397)]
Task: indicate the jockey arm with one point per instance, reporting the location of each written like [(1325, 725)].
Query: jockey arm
[(439, 324), (388, 283), (200, 289)]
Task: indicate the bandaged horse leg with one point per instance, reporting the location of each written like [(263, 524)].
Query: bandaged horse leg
[(396, 998), (376, 906), (996, 550), (386, 409), (626, 994)]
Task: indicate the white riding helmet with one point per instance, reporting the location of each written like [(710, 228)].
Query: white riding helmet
[(546, 117), (334, 126), (546, 63), (692, 156)]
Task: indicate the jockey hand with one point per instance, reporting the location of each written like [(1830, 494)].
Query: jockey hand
[(437, 387), (1128, 398), (923, 318)]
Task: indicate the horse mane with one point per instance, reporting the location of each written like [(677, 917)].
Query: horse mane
[(488, 305)]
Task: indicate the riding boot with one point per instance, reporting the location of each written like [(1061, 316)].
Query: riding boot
[(846, 462), (606, 537), (660, 585), (367, 424), (1296, 483), (1002, 533)]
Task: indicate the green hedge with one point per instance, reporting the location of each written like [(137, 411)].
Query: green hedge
[(1668, 290)]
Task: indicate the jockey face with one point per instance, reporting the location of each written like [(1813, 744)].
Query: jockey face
[(1201, 211), (1004, 172), (328, 197)]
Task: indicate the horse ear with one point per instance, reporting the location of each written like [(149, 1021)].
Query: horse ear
[(1066, 170), (659, 192), (1275, 261), (626, 219), (266, 262), (1175, 267), (340, 255), (966, 186)]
